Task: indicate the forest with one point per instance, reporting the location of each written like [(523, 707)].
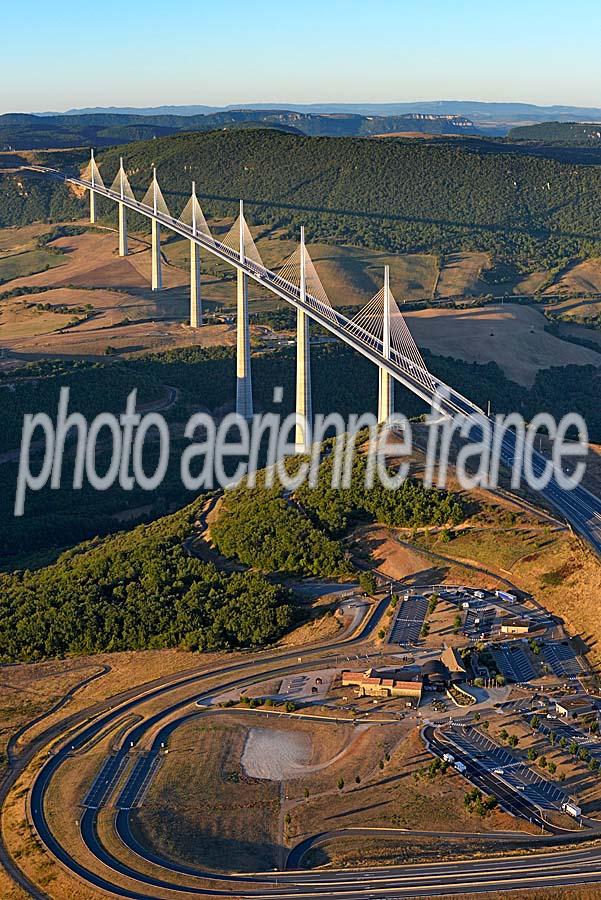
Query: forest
[(261, 528), (135, 591), (410, 505)]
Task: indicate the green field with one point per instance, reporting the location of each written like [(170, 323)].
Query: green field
[(28, 263)]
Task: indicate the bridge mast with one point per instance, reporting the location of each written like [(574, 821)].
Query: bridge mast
[(123, 248), (92, 194), (157, 275), (195, 295), (244, 399), (385, 383), (304, 410)]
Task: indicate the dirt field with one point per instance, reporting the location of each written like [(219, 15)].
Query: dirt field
[(579, 277), (126, 315), (485, 334), (460, 275)]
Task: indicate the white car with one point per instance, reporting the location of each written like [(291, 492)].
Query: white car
[(498, 771)]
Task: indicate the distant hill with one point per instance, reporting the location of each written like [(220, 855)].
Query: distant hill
[(19, 131), (581, 133), (491, 117)]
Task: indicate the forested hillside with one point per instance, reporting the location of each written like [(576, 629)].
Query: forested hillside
[(134, 591), (585, 133), (392, 194)]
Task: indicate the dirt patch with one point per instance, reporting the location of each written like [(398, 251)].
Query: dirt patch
[(460, 274), (276, 755)]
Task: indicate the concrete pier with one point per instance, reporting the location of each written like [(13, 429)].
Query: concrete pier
[(385, 381), (157, 275), (244, 398), (195, 295), (304, 409), (123, 248)]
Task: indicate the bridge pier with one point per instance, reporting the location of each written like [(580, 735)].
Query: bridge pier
[(157, 275), (195, 293), (123, 248), (244, 397), (304, 412), (385, 380)]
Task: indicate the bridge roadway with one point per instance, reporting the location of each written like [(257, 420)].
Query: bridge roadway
[(579, 507), (561, 867)]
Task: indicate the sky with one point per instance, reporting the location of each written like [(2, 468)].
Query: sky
[(149, 53)]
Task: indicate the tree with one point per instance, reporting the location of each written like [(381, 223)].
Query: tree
[(503, 734), (534, 722), (357, 779), (532, 754), (513, 740), (551, 767), (340, 783), (368, 583)]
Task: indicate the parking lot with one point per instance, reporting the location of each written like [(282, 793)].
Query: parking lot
[(515, 773), (512, 661), (105, 781), (409, 620), (562, 660), (562, 729), (485, 615)]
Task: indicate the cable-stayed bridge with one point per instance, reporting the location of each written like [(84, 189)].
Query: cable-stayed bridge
[(378, 331)]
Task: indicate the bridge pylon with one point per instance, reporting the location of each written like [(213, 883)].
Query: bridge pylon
[(156, 274), (123, 245), (195, 288), (92, 194), (304, 411), (244, 397), (385, 380)]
